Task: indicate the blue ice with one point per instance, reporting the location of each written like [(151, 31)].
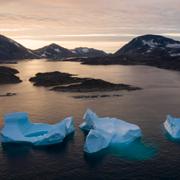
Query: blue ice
[(106, 131), (18, 128)]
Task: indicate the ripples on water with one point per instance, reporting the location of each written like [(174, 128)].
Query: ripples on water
[(153, 157)]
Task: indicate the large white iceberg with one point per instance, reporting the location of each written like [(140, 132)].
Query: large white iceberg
[(172, 126), (18, 128), (104, 131)]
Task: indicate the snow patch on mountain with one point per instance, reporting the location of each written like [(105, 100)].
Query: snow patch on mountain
[(150, 43), (57, 50), (85, 50), (175, 45), (175, 54)]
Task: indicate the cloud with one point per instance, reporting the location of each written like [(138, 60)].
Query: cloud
[(88, 19), (13, 29)]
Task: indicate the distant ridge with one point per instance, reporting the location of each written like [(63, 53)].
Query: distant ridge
[(11, 50), (153, 50)]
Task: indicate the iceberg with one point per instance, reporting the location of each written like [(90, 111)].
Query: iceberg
[(18, 129), (105, 131), (172, 126)]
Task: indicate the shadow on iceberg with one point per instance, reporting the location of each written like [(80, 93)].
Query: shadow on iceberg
[(103, 132), (18, 129)]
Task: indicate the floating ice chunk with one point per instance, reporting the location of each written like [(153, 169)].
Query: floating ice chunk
[(97, 140), (18, 128), (90, 119), (104, 131), (172, 126)]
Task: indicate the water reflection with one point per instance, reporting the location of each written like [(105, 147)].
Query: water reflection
[(170, 138), (95, 159), (135, 151), (13, 150), (146, 108)]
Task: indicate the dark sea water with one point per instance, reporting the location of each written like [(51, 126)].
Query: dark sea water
[(153, 157)]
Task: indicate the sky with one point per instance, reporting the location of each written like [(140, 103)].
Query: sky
[(102, 24)]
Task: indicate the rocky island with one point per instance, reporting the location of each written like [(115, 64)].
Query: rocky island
[(53, 79), (94, 85), (66, 82), (7, 75)]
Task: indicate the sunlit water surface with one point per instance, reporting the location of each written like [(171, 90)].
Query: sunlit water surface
[(153, 157)]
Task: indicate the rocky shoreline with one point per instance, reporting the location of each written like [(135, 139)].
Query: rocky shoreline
[(170, 64), (96, 96)]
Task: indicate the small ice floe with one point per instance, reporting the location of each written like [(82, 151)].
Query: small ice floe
[(106, 131), (18, 129), (172, 126)]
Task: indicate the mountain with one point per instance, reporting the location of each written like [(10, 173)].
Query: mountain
[(88, 52), (151, 50), (151, 46), (54, 51), (11, 50)]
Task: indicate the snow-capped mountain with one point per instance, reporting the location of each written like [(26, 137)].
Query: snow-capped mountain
[(11, 50), (88, 52), (54, 51), (151, 46)]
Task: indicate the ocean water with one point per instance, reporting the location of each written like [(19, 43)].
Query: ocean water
[(155, 156)]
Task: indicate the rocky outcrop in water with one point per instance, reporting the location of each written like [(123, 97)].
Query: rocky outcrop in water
[(54, 78), (94, 85), (70, 83), (8, 94), (7, 75)]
